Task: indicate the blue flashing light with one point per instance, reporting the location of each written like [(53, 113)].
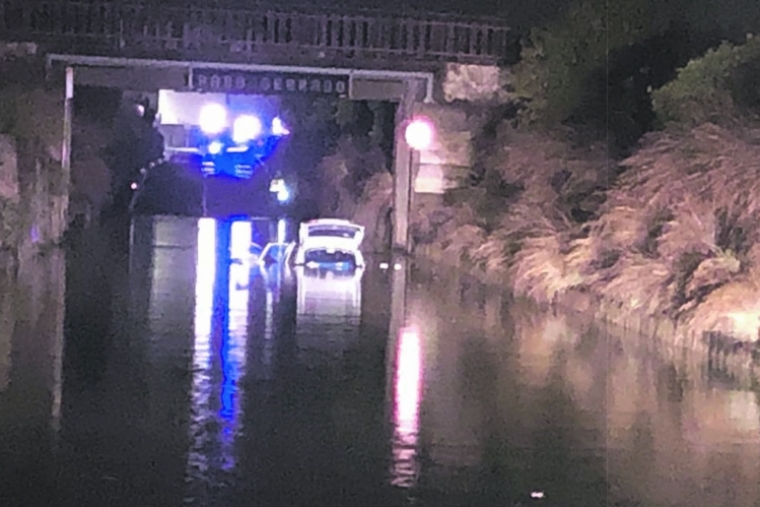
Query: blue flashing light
[(283, 195), (236, 151), (215, 147)]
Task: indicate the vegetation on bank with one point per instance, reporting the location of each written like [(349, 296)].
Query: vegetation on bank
[(670, 230), (629, 173), (353, 177), (557, 61)]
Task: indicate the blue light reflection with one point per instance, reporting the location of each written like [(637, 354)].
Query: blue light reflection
[(220, 342)]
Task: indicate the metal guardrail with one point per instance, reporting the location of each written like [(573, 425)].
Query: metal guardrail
[(111, 28)]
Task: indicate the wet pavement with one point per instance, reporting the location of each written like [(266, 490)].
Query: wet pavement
[(187, 374)]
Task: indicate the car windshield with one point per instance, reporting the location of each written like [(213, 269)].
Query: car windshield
[(333, 232), (327, 256)]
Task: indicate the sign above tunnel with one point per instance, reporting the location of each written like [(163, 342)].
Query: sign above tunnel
[(263, 83)]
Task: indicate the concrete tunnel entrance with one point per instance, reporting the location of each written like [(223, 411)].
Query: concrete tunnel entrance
[(149, 77)]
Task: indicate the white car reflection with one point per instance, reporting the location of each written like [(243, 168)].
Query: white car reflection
[(328, 312)]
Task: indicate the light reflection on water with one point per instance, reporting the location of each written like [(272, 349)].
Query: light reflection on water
[(407, 394), (219, 352), (204, 304), (233, 347), (279, 389)]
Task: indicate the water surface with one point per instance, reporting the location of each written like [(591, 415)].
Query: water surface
[(194, 376)]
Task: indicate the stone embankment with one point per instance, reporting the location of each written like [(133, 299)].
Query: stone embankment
[(33, 188), (38, 199)]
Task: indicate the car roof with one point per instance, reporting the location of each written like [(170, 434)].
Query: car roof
[(331, 221)]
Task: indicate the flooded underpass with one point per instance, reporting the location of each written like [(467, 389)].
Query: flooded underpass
[(189, 373)]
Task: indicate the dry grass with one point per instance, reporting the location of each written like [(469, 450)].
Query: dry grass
[(531, 176), (462, 243), (732, 309), (539, 270), (676, 234), (687, 201), (344, 175), (637, 284), (532, 236)]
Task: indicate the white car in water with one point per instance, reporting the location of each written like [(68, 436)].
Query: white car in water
[(330, 243)]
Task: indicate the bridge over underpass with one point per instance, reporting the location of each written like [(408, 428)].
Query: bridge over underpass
[(262, 49), (262, 34)]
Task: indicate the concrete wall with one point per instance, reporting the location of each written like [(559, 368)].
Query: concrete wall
[(9, 201), (466, 97), (33, 200), (8, 168), (476, 84), (8, 198), (32, 273), (31, 147), (450, 158)]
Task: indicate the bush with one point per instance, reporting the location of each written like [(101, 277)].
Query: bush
[(520, 221), (719, 87), (557, 60), (676, 235)]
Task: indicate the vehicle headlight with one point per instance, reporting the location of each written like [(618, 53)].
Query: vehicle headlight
[(283, 194), (215, 147), (213, 118), (246, 128)]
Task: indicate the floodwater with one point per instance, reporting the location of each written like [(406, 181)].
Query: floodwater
[(189, 375)]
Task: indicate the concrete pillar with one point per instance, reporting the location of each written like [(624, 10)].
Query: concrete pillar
[(448, 161), (403, 168), (61, 202)]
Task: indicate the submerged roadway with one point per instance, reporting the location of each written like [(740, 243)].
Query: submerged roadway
[(188, 374)]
